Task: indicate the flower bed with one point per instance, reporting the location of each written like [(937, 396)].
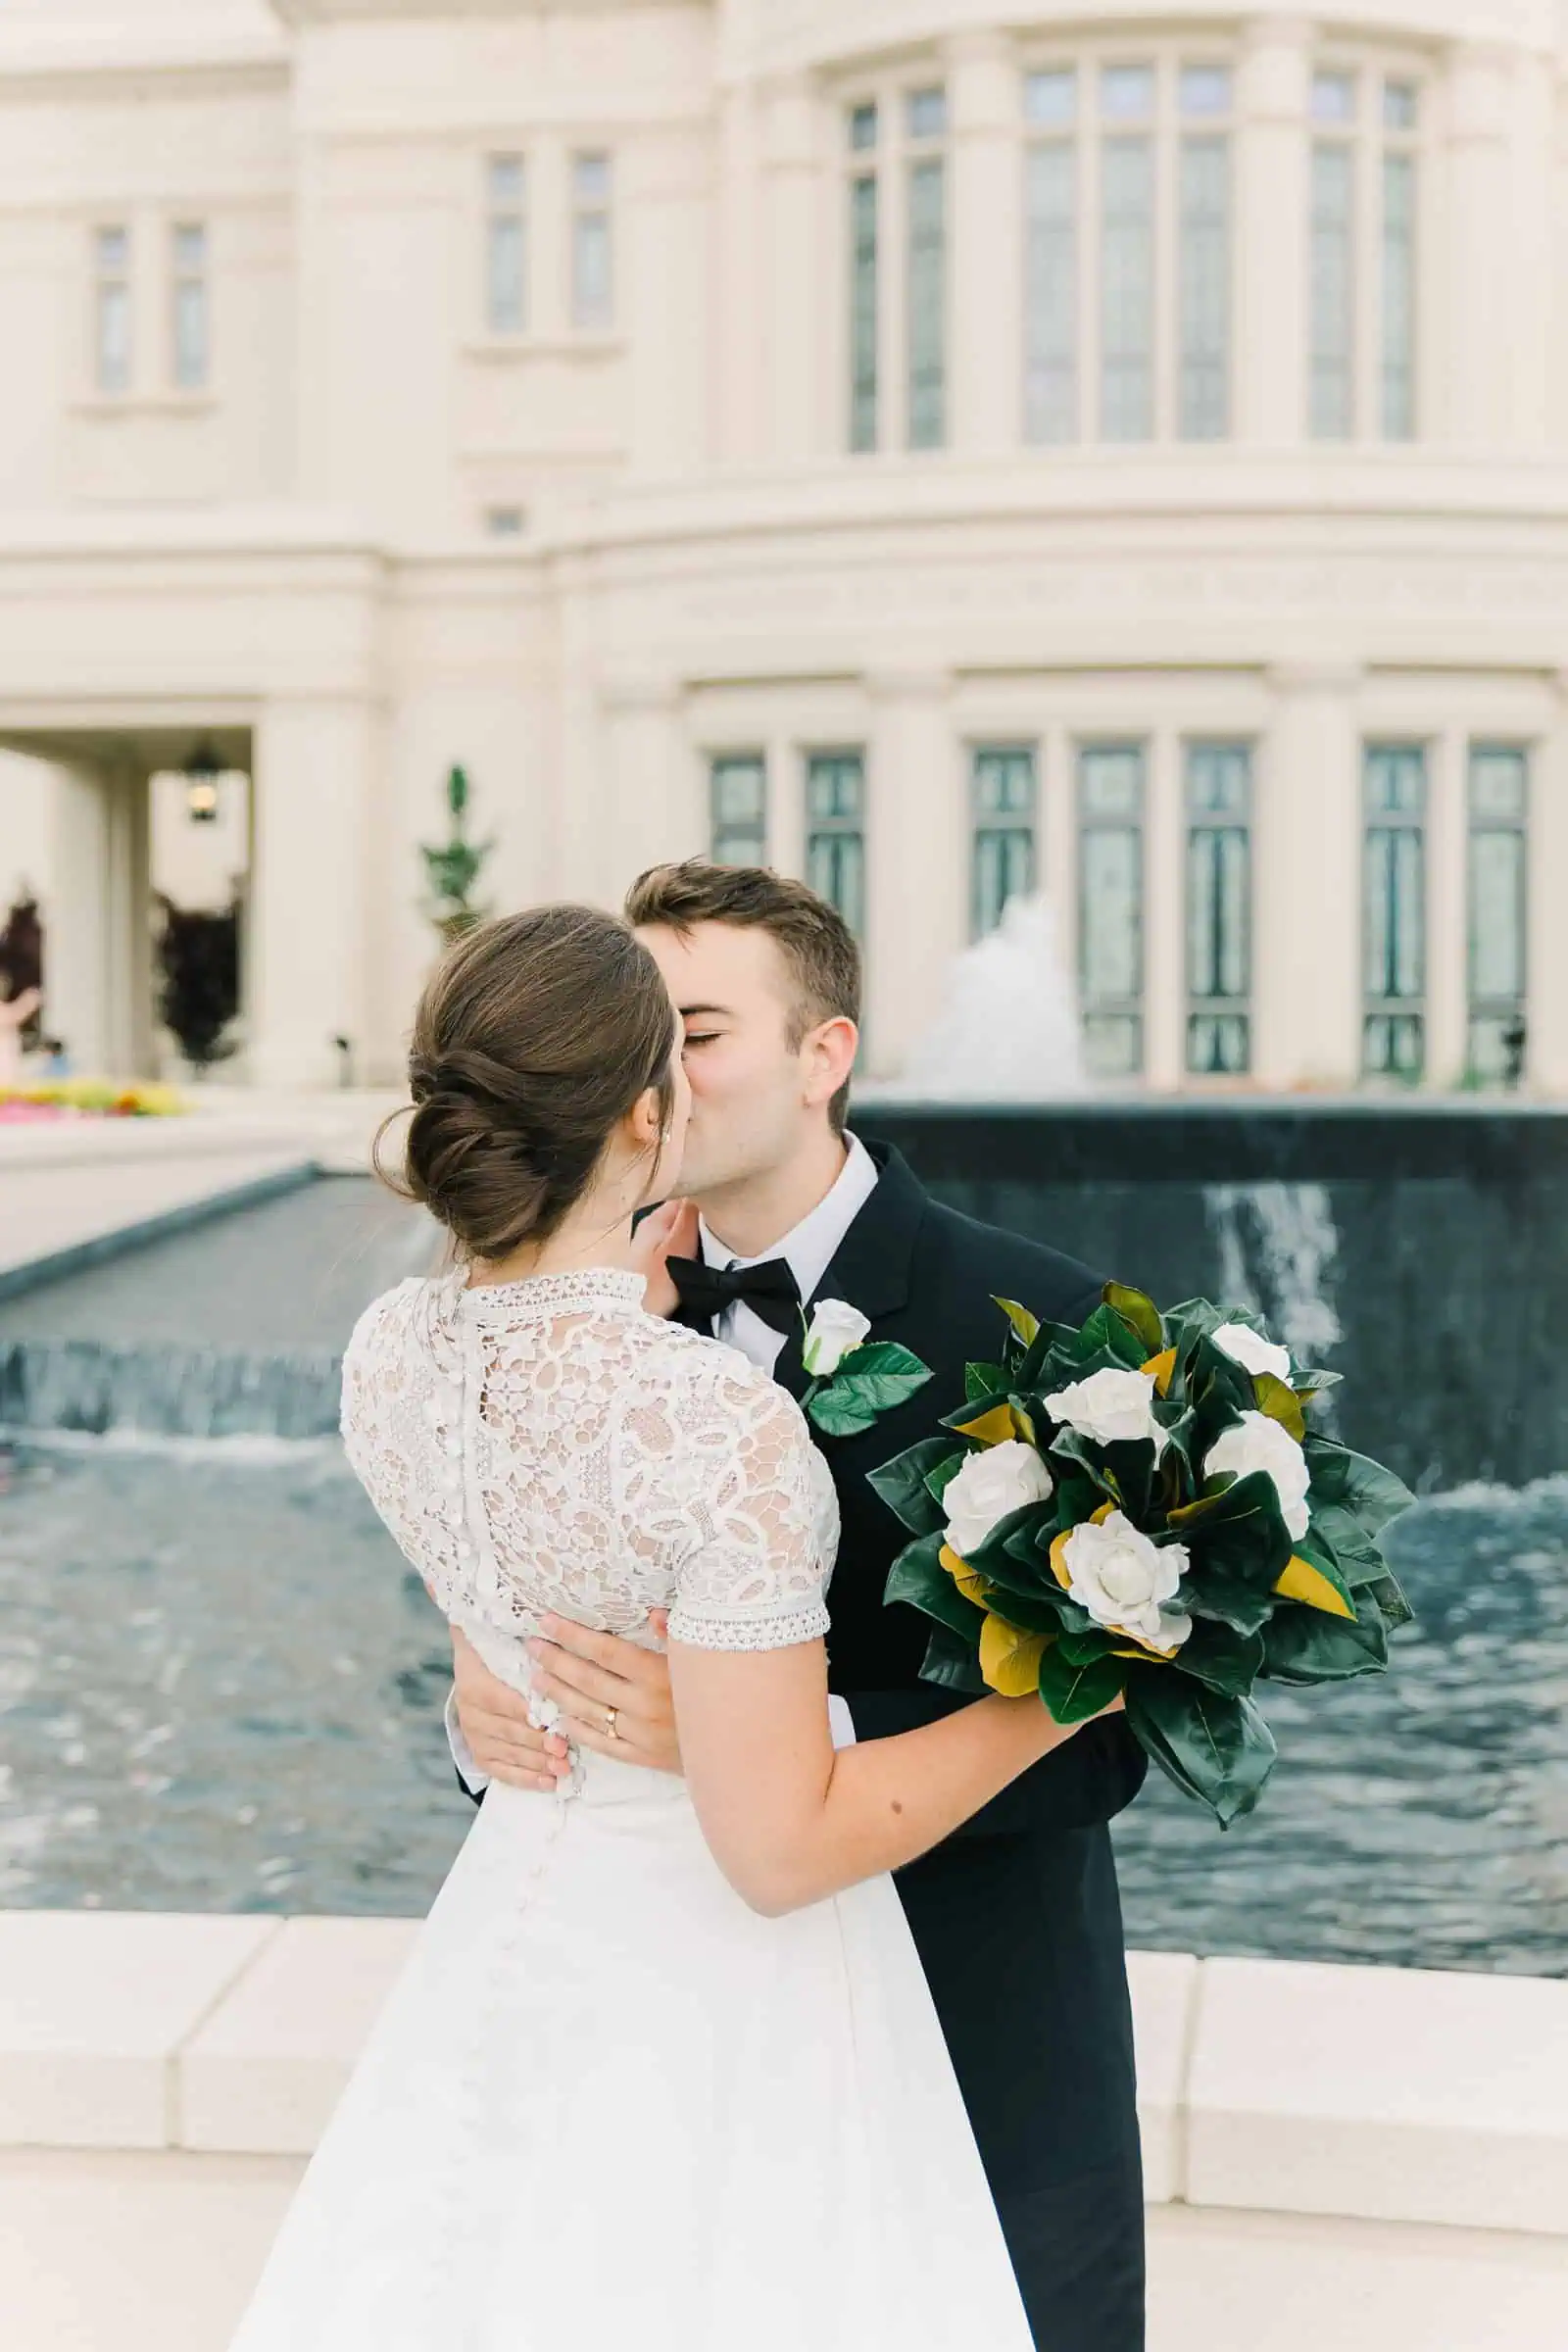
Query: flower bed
[(88, 1097)]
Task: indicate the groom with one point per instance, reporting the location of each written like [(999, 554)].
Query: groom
[(1016, 1918)]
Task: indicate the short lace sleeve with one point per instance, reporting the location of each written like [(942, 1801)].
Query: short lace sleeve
[(754, 1574)]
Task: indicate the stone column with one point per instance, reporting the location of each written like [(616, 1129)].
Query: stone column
[(1480, 357), (651, 813), (666, 288), (1271, 214), (916, 858), (1547, 1010), (1307, 885), (1447, 924), (794, 387), (129, 943), (315, 766), (985, 299), (79, 972), (738, 328)]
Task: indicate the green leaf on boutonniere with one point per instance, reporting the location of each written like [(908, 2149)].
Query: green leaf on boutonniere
[(1072, 1692), (871, 1381)]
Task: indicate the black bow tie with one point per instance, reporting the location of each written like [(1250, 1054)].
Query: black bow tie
[(769, 1290)]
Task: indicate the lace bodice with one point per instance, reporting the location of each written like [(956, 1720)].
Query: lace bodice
[(547, 1445)]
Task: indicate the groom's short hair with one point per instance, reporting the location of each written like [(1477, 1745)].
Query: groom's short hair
[(819, 949)]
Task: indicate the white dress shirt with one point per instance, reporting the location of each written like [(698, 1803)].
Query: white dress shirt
[(810, 1248)]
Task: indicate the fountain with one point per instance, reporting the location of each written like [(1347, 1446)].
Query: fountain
[(1036, 1055)]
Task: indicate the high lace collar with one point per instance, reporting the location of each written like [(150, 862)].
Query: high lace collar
[(537, 1297)]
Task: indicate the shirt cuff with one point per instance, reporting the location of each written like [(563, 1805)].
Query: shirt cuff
[(469, 1773), (841, 1723)]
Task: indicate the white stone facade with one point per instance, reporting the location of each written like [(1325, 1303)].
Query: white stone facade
[(395, 384)]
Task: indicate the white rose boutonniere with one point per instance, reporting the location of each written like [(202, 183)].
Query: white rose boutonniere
[(1113, 1570), (990, 1485), (1259, 1444), (835, 1328), (1255, 1355), (854, 1380), (1110, 1408)]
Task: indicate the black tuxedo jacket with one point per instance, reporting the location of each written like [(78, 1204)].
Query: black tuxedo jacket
[(1016, 1918)]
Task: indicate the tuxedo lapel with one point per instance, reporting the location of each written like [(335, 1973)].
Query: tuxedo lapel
[(872, 1267)]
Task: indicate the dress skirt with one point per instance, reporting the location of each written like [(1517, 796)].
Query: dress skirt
[(608, 2106)]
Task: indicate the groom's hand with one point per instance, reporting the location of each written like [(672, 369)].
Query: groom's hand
[(588, 1674), (494, 1721)]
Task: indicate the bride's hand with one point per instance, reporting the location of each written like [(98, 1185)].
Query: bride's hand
[(670, 1230)]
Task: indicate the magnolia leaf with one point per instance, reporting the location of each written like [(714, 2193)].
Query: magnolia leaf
[(950, 1660), (941, 1475), (1009, 1657), (1302, 1645), (993, 1427), (1109, 1335), (1215, 1747), (1316, 1582), (903, 1484), (1281, 1405), (1073, 1694), (917, 1578), (1364, 1487), (970, 1583), (983, 1379), (1217, 1654), (1025, 1324), (1140, 1310), (1386, 1596), (840, 1413), (1159, 1369)]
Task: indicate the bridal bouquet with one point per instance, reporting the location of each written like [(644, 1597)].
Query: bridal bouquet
[(1143, 1505)]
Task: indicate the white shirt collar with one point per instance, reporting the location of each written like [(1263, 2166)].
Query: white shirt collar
[(814, 1244)]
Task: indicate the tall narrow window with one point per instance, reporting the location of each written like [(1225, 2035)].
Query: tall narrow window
[(1219, 890), (1205, 277), (506, 245), (112, 310), (738, 808), (835, 832), (1003, 818), (1050, 257), (1499, 805), (593, 272), (1333, 257), (1395, 911), (1127, 253), (864, 306), (927, 277), (1400, 122), (1110, 906), (192, 308)]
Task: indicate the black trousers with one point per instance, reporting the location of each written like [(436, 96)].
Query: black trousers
[(1020, 1938)]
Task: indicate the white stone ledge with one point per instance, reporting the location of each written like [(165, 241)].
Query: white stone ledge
[(1378, 2094)]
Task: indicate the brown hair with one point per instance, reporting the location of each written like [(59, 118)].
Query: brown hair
[(534, 1036), (818, 947)]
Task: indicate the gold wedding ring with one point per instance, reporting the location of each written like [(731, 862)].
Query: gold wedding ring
[(612, 1719)]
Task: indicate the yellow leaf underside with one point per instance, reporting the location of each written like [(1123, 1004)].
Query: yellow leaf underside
[(991, 1429), (1161, 1367), (1010, 1659), (1058, 1546), (1302, 1582), (971, 1583)]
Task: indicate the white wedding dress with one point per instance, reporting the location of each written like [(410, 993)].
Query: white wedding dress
[(607, 2105)]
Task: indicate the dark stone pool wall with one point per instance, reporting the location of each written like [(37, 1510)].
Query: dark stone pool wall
[(1420, 1249)]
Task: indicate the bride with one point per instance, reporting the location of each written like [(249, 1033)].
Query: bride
[(663, 2073)]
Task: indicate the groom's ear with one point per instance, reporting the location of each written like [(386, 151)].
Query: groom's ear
[(829, 1052)]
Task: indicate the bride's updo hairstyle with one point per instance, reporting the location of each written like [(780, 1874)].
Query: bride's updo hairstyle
[(535, 1036)]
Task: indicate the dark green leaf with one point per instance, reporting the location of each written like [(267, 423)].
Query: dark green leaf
[(952, 1661), (1302, 1645), (917, 1578), (1364, 1487), (1385, 1596), (902, 1484), (840, 1413), (1108, 1334), (1087, 1647), (1072, 1694), (1140, 1312), (1216, 1748), (1217, 1654), (1238, 1531), (983, 1379)]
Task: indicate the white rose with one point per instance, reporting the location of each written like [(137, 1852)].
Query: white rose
[(1248, 1349), (1002, 1479), (1124, 1581), (1111, 1408), (1259, 1444), (836, 1328)]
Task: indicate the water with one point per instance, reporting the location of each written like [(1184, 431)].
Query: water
[(220, 1687), (1008, 1029)]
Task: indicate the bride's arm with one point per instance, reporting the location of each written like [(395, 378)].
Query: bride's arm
[(787, 1819)]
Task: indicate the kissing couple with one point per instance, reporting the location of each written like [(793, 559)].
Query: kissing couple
[(751, 2018)]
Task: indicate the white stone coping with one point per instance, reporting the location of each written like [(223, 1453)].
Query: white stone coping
[(1268, 2085)]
